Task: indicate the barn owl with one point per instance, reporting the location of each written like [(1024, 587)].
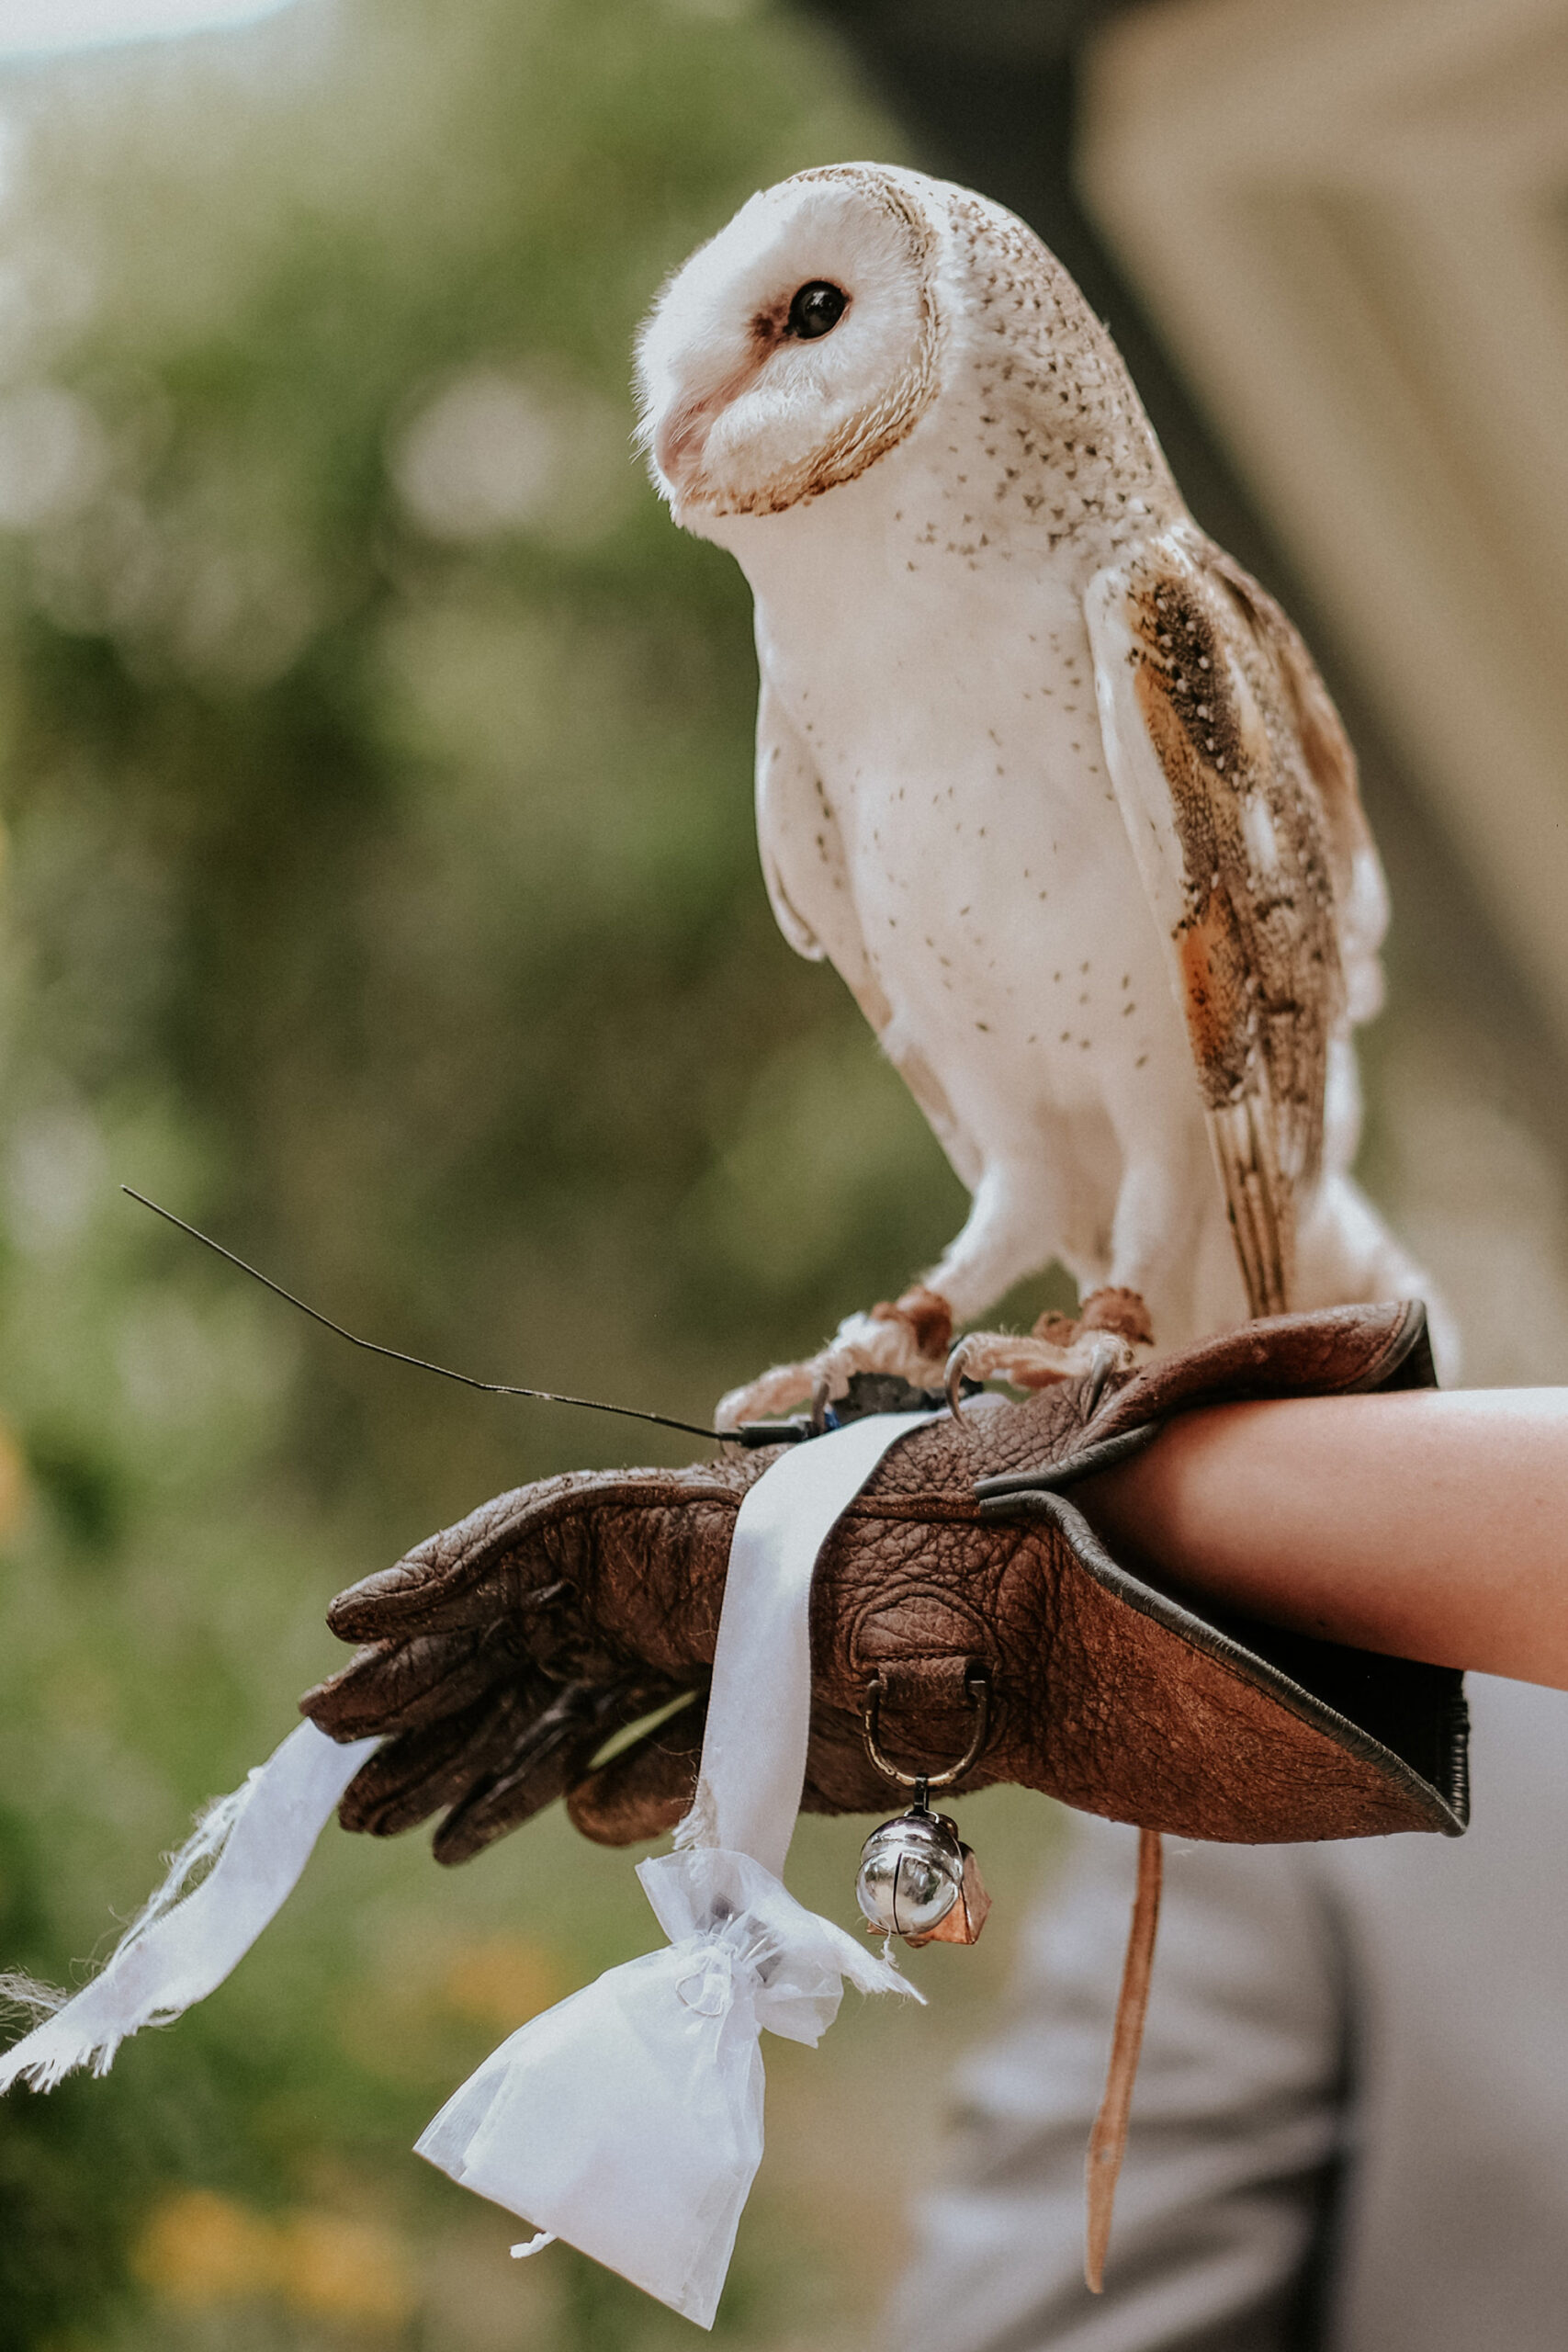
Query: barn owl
[(1045, 776)]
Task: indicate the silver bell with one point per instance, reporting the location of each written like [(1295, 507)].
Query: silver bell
[(911, 1873)]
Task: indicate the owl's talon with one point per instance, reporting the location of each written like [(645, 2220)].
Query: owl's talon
[(1111, 1337), (913, 1337), (909, 1339), (1105, 1360)]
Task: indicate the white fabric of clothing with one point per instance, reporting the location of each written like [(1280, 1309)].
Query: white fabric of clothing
[(1351, 2127), (628, 2120), (183, 1945)]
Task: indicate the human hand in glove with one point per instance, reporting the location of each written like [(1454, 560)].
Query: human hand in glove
[(501, 1655)]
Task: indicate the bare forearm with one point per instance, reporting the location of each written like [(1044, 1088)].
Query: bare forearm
[(1430, 1525)]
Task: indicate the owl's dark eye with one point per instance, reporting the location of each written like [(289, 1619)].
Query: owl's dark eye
[(816, 310)]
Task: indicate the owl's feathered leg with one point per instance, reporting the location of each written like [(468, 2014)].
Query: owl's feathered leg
[(1010, 1231), (1006, 1234), (1114, 1327)]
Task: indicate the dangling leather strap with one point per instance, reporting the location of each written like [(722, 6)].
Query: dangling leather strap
[(1107, 2141)]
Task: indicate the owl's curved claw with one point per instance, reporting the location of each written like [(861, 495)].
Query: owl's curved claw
[(1025, 1362), (952, 1378), (911, 1339), (1111, 1334)]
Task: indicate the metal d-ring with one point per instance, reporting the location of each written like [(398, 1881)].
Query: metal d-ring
[(978, 1687)]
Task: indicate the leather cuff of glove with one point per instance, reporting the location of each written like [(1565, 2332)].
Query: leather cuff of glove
[(1383, 1740)]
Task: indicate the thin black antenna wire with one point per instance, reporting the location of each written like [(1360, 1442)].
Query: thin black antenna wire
[(420, 1364)]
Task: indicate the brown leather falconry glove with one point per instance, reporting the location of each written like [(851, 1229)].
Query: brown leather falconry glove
[(503, 1654)]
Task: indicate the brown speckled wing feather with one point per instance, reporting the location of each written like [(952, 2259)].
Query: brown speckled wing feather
[(1237, 790), (1360, 894)]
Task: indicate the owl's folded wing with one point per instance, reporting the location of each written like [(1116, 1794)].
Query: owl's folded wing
[(1238, 791)]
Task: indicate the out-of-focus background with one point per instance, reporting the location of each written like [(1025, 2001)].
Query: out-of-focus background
[(380, 891)]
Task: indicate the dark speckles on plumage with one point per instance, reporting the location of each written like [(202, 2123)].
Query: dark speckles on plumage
[(1282, 941)]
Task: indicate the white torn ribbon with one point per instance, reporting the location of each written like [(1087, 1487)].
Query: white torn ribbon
[(628, 2120), (184, 1944)]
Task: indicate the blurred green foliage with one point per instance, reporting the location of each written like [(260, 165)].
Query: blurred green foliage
[(381, 894)]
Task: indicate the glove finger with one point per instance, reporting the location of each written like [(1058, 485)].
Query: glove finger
[(552, 1754), (497, 1558), (533, 1546), (401, 1602), (403, 1686), (417, 1773), (647, 1788)]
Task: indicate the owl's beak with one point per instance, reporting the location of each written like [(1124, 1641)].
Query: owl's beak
[(680, 438), (678, 441)]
